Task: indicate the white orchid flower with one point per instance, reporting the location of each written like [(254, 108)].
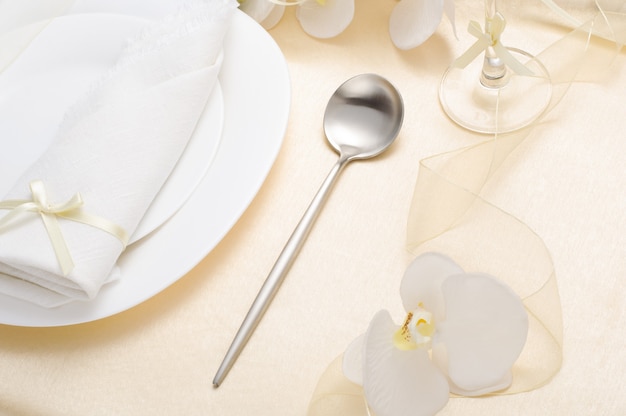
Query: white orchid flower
[(267, 13), (462, 334), (412, 22), (318, 18), (325, 18)]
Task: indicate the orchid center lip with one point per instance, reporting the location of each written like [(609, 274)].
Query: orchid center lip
[(416, 331)]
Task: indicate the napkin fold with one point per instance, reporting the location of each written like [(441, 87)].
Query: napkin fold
[(115, 148)]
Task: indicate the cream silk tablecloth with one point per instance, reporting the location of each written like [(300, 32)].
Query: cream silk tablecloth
[(567, 183)]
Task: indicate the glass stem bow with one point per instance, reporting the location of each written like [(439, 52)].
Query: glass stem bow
[(494, 71)]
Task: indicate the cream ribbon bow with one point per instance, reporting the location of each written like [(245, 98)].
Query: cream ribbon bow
[(490, 38), (71, 210)]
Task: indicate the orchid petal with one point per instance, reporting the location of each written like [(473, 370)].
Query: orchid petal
[(422, 282), (448, 9), (396, 382), (503, 383), (325, 19), (484, 332), (352, 362), (257, 9), (272, 19), (414, 21)]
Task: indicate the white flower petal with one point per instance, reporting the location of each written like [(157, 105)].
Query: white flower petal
[(400, 383), (448, 9), (440, 357), (273, 17), (352, 362), (257, 9), (325, 20), (422, 283), (502, 384), (414, 21), (484, 332)]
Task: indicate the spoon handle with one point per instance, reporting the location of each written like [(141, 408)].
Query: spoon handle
[(278, 273)]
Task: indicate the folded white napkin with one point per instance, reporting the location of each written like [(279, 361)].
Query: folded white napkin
[(116, 148)]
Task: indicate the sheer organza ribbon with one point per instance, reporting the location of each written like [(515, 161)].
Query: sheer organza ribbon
[(450, 214), (70, 210)]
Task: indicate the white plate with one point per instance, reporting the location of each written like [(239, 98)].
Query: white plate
[(256, 95)]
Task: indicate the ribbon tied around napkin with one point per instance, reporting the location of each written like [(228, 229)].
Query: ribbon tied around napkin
[(70, 210)]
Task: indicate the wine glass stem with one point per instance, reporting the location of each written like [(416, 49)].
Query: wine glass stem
[(493, 74), (490, 9)]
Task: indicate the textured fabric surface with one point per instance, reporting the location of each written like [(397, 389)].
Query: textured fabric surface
[(567, 183)]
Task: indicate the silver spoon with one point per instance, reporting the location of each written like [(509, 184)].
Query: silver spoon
[(362, 118)]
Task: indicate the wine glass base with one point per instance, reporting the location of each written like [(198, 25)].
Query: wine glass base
[(483, 109)]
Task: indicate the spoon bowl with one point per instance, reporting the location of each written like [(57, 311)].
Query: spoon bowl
[(362, 119)]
